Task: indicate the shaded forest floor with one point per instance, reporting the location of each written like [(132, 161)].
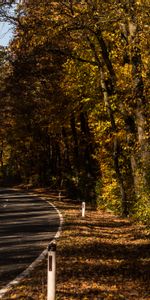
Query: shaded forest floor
[(99, 257)]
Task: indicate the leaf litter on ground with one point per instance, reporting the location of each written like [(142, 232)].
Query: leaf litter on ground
[(99, 257)]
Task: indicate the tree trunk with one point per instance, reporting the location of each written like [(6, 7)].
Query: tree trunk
[(116, 148), (75, 138), (139, 100)]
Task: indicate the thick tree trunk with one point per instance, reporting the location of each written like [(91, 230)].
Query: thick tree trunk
[(116, 148), (90, 165), (139, 100), (86, 142), (123, 182)]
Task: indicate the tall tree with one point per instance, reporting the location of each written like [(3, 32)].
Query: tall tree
[(78, 80)]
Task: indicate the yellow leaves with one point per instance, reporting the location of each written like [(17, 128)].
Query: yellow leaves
[(124, 73), (127, 69), (122, 135)]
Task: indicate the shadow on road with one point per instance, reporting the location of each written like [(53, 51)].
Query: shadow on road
[(27, 224)]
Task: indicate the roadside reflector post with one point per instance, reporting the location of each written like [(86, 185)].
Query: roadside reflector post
[(51, 277), (59, 196), (83, 209)]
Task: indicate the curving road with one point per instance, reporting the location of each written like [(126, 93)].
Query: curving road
[(27, 225)]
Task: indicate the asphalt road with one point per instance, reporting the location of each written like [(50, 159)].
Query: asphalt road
[(27, 225)]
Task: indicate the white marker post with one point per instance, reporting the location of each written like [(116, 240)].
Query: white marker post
[(51, 278), (59, 196), (83, 209)]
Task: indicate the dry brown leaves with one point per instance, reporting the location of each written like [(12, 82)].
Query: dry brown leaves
[(99, 257)]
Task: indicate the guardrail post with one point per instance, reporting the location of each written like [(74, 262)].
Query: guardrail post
[(51, 277), (83, 209)]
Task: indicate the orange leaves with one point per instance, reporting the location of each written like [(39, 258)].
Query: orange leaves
[(101, 257)]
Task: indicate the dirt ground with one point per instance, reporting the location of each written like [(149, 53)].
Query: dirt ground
[(101, 256)]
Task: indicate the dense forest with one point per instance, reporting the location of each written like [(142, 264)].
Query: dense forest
[(74, 93)]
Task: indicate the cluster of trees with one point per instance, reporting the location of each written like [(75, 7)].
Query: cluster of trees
[(74, 96)]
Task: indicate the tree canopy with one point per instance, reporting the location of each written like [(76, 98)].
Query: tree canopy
[(75, 92)]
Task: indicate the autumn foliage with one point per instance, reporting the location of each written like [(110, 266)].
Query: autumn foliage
[(99, 257), (74, 91)]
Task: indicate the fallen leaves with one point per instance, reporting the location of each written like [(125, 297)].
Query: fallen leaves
[(100, 257)]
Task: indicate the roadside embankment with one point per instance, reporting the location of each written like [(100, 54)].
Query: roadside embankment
[(99, 257)]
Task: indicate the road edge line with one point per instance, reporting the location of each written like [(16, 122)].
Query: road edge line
[(38, 260)]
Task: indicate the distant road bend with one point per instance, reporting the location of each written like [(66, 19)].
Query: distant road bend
[(27, 224)]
